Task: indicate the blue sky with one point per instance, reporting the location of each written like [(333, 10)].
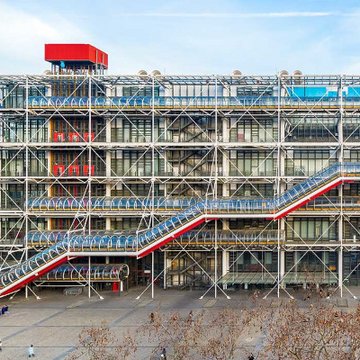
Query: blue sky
[(188, 36)]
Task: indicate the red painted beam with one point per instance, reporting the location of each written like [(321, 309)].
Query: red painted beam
[(305, 201), (11, 289), (150, 249)]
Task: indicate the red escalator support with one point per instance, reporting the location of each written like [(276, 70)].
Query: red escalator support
[(306, 200), (11, 289), (171, 237)]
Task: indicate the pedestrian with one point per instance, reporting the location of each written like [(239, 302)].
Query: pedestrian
[(152, 317), (0, 345), (31, 351), (3, 310), (190, 317), (163, 354)]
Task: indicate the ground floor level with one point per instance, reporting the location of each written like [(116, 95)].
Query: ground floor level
[(333, 270)]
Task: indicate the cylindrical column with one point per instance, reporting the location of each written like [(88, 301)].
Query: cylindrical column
[(89, 175), (27, 164), (282, 265), (225, 266), (165, 269), (89, 278), (152, 179), (152, 275), (341, 215), (340, 256), (216, 170)]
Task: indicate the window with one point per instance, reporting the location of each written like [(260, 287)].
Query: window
[(308, 162), (252, 163), (253, 130), (140, 91), (312, 229)]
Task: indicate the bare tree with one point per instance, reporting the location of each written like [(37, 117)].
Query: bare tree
[(288, 331), (314, 332), (100, 343), (177, 333), (229, 328), (215, 336)]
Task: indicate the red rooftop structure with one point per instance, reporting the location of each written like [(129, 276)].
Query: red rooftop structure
[(76, 56)]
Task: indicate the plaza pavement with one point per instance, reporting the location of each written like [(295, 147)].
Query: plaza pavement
[(53, 323)]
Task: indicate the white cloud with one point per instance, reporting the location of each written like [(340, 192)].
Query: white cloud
[(23, 35), (295, 14)]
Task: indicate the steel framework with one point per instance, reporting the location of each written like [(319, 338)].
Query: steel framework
[(91, 156)]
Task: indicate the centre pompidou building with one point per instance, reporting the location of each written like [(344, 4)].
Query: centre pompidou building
[(212, 181)]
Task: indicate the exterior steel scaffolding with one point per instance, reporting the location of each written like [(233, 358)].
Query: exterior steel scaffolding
[(210, 181)]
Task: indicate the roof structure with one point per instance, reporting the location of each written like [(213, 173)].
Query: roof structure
[(75, 53)]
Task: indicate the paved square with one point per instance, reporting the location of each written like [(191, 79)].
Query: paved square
[(53, 323)]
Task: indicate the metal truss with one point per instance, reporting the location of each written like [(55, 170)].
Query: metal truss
[(197, 164)]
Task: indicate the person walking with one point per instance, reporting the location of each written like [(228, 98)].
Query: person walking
[(190, 317), (163, 354), (31, 351)]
